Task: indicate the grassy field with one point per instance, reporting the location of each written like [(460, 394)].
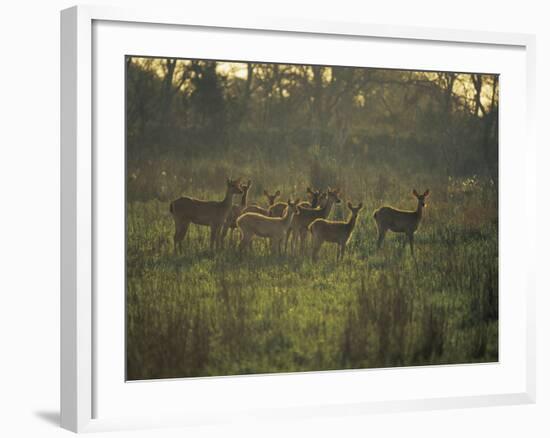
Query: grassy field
[(203, 314)]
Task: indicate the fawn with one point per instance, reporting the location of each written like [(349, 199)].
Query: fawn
[(274, 228), (235, 212), (265, 211), (339, 232), (187, 210), (305, 216), (400, 221)]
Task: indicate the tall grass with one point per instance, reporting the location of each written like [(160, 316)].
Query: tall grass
[(202, 313)]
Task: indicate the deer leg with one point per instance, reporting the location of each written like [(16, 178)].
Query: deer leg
[(241, 243), (274, 245), (411, 242), (298, 242), (176, 240), (381, 235), (342, 251), (303, 236), (288, 233), (219, 243), (225, 229), (295, 239), (315, 247), (176, 237), (244, 242), (214, 232), (179, 235)]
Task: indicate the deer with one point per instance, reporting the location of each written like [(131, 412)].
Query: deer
[(400, 221), (264, 211), (315, 196), (186, 210), (339, 232), (274, 228), (235, 212), (277, 210), (301, 221)]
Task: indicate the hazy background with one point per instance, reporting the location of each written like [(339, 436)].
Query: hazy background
[(191, 122)]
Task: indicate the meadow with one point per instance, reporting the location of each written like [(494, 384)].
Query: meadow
[(204, 313)]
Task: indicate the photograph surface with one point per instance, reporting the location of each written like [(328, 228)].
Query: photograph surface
[(289, 218)]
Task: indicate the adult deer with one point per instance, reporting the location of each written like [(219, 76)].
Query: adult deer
[(186, 210), (277, 210), (235, 212), (302, 220), (274, 228), (339, 232), (400, 221), (258, 209)]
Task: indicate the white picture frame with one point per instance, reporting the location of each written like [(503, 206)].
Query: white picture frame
[(79, 277)]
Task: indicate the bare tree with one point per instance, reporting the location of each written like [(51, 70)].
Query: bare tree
[(488, 113)]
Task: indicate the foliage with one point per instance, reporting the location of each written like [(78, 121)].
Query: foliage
[(200, 313), (199, 109)]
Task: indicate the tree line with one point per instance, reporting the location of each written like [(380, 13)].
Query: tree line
[(184, 109)]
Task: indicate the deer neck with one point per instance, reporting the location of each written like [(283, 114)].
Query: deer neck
[(244, 199), (418, 212), (327, 207), (228, 200), (351, 222), (287, 217)]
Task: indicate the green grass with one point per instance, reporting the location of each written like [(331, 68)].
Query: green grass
[(204, 314)]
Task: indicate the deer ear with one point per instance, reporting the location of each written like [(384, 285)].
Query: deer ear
[(360, 206), (277, 193), (349, 205), (265, 193), (308, 190), (427, 192), (415, 193), (296, 201)]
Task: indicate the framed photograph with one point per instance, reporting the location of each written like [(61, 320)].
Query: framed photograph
[(283, 218)]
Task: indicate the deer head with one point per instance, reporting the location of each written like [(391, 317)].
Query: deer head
[(293, 206), (271, 198), (314, 196), (234, 186), (246, 187), (421, 198), (333, 195), (355, 210)]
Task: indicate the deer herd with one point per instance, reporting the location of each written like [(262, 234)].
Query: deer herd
[(293, 220)]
